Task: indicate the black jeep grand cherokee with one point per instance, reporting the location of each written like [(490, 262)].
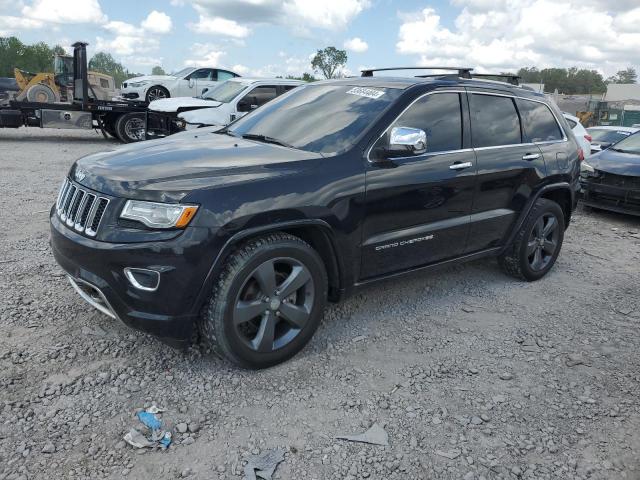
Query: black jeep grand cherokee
[(248, 230)]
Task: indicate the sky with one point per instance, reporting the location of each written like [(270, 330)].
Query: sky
[(279, 37)]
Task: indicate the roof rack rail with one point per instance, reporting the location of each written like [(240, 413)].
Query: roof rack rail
[(464, 72), (510, 78)]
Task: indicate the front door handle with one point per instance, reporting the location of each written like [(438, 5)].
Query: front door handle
[(460, 165), (531, 156)]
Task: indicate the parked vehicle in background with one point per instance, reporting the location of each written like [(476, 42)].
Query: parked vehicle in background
[(602, 137), (188, 82), (611, 178), (247, 231), (219, 106), (120, 119), (581, 134)]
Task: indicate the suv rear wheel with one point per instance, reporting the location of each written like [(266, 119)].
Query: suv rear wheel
[(268, 301), (537, 243)]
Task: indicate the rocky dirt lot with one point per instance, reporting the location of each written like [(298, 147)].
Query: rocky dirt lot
[(472, 374)]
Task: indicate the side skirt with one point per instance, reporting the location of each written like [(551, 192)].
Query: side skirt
[(491, 252)]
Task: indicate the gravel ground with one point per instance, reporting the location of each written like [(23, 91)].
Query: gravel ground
[(472, 374)]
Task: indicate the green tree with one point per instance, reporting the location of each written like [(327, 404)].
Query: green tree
[(329, 61), (624, 76), (306, 77), (570, 81), (105, 63), (34, 58), (158, 70)]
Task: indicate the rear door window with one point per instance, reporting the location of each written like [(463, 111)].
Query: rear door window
[(440, 116), (539, 123), (494, 121)]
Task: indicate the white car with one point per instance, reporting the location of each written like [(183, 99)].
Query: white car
[(602, 137), (188, 82), (219, 106), (581, 134)]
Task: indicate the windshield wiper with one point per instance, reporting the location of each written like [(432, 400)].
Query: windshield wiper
[(266, 139)]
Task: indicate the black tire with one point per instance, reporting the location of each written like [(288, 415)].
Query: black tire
[(534, 251), (41, 94), (157, 92), (130, 127), (238, 287)]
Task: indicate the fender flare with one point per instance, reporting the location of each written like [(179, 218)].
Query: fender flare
[(239, 236), (529, 206)]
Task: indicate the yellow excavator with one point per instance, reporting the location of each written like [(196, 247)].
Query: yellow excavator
[(57, 86)]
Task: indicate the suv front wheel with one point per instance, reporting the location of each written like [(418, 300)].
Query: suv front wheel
[(268, 301), (537, 243)]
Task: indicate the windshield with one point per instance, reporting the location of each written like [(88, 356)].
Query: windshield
[(607, 136), (630, 144), (325, 119), (225, 92), (181, 73)]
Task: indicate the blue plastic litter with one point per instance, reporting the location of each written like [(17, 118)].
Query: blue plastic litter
[(150, 420)]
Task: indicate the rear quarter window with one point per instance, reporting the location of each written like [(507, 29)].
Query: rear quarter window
[(538, 122)]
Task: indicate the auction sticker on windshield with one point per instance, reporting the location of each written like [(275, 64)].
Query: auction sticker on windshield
[(366, 92)]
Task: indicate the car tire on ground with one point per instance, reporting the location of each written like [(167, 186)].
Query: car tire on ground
[(157, 93), (268, 301), (537, 242), (42, 94), (130, 127)]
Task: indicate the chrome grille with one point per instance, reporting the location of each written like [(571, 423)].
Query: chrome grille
[(80, 209)]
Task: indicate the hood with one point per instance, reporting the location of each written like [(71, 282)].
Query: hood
[(168, 169), (180, 103), (610, 161), (152, 78), (205, 116)]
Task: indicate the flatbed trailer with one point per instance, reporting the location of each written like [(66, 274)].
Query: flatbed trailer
[(119, 119)]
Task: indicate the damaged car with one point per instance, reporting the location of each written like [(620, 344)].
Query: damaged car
[(220, 105), (610, 180)]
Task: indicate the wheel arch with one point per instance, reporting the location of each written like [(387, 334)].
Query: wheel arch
[(317, 233), (560, 192)]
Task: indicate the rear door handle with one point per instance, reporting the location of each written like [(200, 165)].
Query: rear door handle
[(460, 166), (531, 156)]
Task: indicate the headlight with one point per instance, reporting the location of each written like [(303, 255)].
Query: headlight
[(586, 168), (159, 215), (139, 84)]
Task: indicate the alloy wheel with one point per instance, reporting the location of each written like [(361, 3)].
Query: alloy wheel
[(134, 128), (543, 242), (156, 93), (274, 304)]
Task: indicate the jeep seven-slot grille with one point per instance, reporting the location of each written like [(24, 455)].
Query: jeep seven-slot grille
[(80, 209)]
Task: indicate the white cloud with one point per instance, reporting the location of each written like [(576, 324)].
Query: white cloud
[(122, 28), (132, 40), (219, 26), (508, 34), (157, 22), (356, 44), (65, 11), (10, 25), (127, 45), (205, 55), (298, 15)]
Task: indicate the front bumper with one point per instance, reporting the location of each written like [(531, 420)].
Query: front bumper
[(621, 199), (162, 124), (96, 271)]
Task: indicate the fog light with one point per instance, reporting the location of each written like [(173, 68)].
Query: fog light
[(143, 278)]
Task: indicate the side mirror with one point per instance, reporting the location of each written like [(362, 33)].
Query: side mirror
[(205, 90), (407, 141)]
